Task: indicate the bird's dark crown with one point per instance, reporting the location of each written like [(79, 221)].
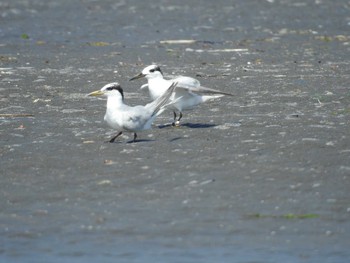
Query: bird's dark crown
[(115, 86), (156, 68)]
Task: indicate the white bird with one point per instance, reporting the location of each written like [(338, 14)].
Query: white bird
[(189, 89), (126, 118)]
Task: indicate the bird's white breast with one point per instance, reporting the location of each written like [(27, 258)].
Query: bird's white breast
[(157, 87)]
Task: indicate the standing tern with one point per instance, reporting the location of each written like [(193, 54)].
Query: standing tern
[(126, 118), (189, 89)]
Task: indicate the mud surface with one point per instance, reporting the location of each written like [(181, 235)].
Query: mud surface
[(260, 177)]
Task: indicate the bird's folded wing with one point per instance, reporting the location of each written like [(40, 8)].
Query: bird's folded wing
[(186, 81), (193, 85), (202, 90)]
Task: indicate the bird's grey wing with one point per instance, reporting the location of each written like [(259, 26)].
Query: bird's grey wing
[(203, 90), (186, 81), (133, 117), (194, 86)]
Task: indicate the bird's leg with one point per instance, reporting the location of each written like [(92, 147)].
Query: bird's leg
[(177, 123), (173, 124), (115, 137), (135, 136), (180, 116)]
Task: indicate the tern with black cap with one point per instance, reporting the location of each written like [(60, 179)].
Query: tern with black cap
[(125, 118), (189, 92)]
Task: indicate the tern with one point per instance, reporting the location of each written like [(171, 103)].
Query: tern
[(126, 118), (189, 89)]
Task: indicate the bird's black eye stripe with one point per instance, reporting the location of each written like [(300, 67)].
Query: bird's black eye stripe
[(120, 90), (116, 87), (156, 69), (113, 87)]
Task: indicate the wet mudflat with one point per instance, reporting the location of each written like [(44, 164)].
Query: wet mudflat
[(260, 177)]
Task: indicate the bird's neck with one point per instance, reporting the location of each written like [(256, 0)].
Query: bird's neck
[(114, 102), (157, 86)]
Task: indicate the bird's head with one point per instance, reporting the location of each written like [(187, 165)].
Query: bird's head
[(111, 89), (152, 71)]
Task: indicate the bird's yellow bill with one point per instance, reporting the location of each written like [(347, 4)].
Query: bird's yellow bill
[(96, 93)]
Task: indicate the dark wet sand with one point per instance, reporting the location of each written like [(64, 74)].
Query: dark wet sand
[(260, 177)]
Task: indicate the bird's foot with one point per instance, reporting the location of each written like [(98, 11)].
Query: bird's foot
[(176, 124), (115, 137)]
